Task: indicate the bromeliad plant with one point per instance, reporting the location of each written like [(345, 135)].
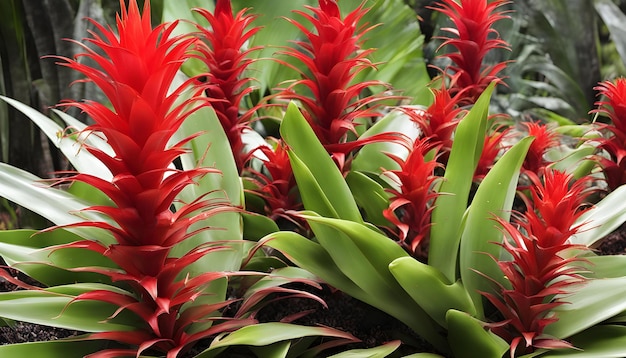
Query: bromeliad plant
[(408, 210)]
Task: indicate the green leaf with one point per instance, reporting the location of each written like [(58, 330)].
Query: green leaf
[(52, 349), (606, 341), (468, 143), (82, 160), (55, 205), (605, 266), (431, 289), (25, 251), (468, 337), (302, 141), (380, 351), (264, 334), (370, 196), (51, 307), (494, 197), (256, 226), (590, 303), (211, 149), (602, 219)]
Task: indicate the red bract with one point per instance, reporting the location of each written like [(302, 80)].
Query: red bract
[(614, 106), (491, 150), (440, 119), (277, 185), (135, 72), (333, 58), (412, 204), (544, 261), (226, 60), (545, 138), (473, 36)]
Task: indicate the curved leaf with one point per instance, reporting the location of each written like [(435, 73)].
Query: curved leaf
[(468, 338), (494, 197), (448, 213), (304, 144), (52, 349)]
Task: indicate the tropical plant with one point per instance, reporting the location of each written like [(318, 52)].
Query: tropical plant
[(410, 194)]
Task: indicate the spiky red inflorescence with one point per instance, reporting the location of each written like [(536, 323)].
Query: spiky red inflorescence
[(135, 70), (473, 36), (440, 119), (411, 205), (545, 139), (544, 262), (226, 59), (277, 186), (333, 58), (614, 106), (492, 148)]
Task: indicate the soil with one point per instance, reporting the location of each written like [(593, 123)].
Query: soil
[(368, 324)]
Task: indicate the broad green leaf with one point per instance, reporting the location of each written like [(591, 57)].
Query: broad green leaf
[(606, 266), (52, 349), (276, 32), (212, 149), (311, 193), (370, 196), (606, 341), (431, 289), (256, 226), (604, 217), (276, 350), (376, 352), (264, 334), (304, 144), (469, 339), (81, 159), (51, 307), (590, 303), (55, 205), (26, 251), (468, 143), (494, 197)]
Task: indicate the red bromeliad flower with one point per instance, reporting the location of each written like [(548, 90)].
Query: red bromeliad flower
[(277, 186), (492, 148), (440, 119), (135, 72), (545, 138), (473, 37), (226, 61), (333, 58), (544, 261), (412, 204), (614, 106)]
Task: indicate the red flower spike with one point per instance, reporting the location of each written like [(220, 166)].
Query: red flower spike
[(613, 105), (333, 58), (491, 150), (277, 184), (540, 267), (135, 70), (412, 204), (473, 36), (440, 119), (545, 139), (226, 61)]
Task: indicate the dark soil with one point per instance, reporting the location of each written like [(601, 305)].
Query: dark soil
[(368, 324)]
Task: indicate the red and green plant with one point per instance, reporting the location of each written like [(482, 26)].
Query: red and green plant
[(408, 208)]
